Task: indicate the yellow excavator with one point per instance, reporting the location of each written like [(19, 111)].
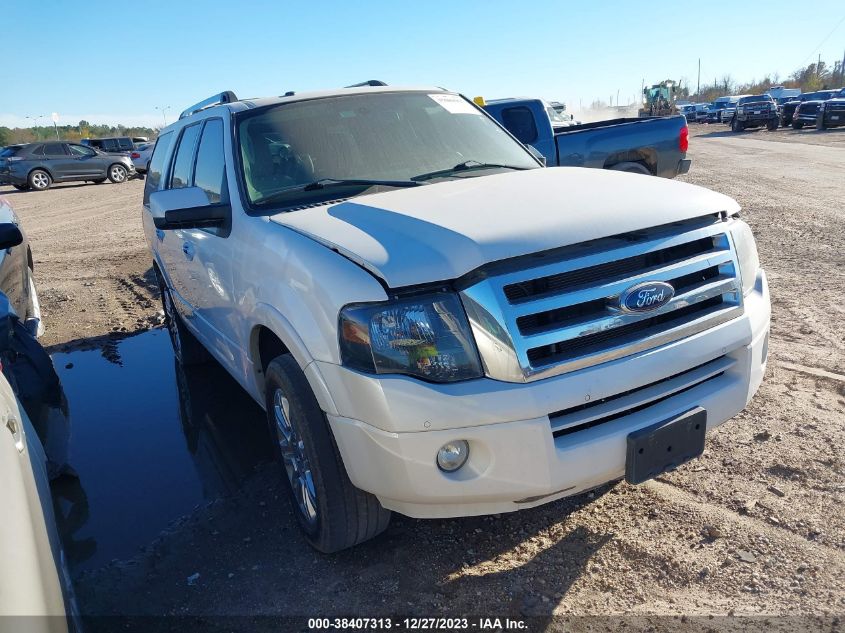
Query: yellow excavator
[(659, 99)]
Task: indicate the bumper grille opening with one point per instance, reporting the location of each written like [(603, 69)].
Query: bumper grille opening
[(719, 366)]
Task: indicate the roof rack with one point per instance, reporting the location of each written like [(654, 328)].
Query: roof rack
[(369, 82), (227, 96)]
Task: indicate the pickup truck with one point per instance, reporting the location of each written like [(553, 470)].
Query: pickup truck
[(436, 324), (755, 111), (655, 145)]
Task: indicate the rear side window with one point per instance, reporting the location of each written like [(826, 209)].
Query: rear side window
[(125, 144), (38, 150), (54, 149), (210, 171), (181, 176), (519, 121), (157, 165)]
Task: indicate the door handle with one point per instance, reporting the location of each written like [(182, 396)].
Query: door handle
[(188, 249), (17, 433)]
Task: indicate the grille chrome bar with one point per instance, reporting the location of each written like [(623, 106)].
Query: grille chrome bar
[(618, 319), (614, 288), (542, 321), (608, 250)]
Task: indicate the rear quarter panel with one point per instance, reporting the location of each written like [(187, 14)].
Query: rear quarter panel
[(654, 140)]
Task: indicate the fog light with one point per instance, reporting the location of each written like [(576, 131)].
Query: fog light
[(453, 455)]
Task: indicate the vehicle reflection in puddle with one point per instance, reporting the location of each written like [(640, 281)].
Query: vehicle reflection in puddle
[(150, 440)]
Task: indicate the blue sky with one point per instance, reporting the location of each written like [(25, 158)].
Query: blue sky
[(113, 62)]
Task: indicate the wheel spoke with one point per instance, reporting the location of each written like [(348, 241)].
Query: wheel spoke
[(294, 458)]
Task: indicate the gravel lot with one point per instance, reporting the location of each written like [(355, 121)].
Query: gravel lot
[(756, 526)]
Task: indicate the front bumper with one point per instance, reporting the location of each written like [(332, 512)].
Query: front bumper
[(834, 117), (389, 428), (757, 118)]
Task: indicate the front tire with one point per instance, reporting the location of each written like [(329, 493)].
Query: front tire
[(118, 173), (737, 125), (772, 125), (187, 349), (797, 125), (820, 122), (332, 513), (39, 180)]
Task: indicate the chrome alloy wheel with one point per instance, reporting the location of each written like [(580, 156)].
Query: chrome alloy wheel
[(118, 173), (294, 458), (40, 180)]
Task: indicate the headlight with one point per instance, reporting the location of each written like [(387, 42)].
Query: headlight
[(746, 254), (427, 336)]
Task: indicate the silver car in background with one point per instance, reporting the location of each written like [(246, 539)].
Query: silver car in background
[(141, 156)]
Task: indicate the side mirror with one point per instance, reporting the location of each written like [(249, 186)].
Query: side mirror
[(186, 208), (10, 235), (536, 154)]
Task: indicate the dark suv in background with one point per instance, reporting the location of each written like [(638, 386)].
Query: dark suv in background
[(831, 112), (113, 144), (755, 111), (39, 165), (787, 110), (808, 109)]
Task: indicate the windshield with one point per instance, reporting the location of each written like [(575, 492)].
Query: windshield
[(755, 99), (384, 137)]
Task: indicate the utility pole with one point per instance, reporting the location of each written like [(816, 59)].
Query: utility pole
[(842, 70), (698, 85), (35, 120), (163, 109)]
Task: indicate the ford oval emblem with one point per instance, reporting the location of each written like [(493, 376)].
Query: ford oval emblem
[(646, 297)]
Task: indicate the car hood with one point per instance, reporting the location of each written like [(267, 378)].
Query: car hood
[(444, 230)]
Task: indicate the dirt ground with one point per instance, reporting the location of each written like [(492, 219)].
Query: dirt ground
[(754, 527)]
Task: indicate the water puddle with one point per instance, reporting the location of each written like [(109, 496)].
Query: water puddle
[(150, 440)]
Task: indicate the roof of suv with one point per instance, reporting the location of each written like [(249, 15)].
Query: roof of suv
[(257, 102)]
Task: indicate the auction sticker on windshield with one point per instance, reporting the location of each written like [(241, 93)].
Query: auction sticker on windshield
[(455, 104)]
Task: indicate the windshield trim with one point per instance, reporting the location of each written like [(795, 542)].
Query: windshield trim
[(261, 211)]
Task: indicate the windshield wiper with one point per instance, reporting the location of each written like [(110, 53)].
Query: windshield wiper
[(327, 183), (467, 165)]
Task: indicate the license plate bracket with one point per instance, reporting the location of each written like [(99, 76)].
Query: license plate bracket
[(665, 445)]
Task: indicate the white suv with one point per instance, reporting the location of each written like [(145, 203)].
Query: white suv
[(436, 324)]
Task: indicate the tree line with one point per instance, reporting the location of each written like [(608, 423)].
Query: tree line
[(815, 76), (81, 130)]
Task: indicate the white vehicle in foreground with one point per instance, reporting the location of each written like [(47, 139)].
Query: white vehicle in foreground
[(437, 325), (35, 588)]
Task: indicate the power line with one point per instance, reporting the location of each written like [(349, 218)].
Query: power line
[(819, 45)]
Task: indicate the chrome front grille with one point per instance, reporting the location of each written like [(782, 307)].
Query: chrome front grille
[(563, 314)]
